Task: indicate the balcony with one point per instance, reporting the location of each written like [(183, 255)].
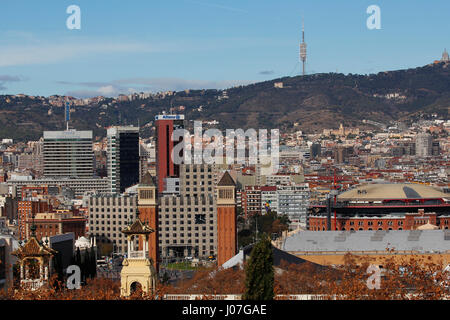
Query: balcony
[(32, 284), (138, 255)]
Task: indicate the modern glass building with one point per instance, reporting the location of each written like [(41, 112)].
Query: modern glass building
[(123, 157)]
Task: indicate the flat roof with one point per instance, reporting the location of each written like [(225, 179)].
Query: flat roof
[(423, 241), (71, 134)]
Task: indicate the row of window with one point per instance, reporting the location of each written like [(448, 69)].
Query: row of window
[(181, 216), (196, 190), (112, 209), (175, 241), (194, 169), (182, 228), (97, 216), (189, 209)]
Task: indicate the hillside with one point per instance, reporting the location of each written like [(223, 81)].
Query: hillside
[(314, 102)]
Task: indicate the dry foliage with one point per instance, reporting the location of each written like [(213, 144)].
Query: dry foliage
[(414, 278)]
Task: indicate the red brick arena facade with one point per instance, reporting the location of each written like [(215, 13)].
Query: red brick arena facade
[(383, 207)]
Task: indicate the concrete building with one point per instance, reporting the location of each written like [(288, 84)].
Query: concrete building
[(188, 221), (79, 186), (269, 199), (293, 201), (108, 215), (251, 201), (424, 145), (68, 154), (58, 222)]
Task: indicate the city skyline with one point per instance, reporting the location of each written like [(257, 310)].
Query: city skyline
[(192, 44)]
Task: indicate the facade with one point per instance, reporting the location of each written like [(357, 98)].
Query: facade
[(148, 213), (108, 215), (26, 210), (290, 200), (68, 154), (424, 145), (407, 221), (269, 199), (123, 157), (165, 167), (79, 186), (146, 159), (58, 222), (383, 207), (188, 221), (293, 201), (315, 150), (251, 201)]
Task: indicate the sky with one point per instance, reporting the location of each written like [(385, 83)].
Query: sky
[(158, 45)]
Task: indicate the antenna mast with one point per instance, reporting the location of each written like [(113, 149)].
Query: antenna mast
[(67, 115)]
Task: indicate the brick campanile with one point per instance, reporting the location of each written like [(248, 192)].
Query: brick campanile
[(148, 214), (226, 219)]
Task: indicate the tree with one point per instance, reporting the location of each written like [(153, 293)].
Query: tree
[(259, 273)]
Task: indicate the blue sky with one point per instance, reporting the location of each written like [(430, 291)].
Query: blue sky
[(156, 45)]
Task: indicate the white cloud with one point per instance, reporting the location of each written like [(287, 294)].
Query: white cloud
[(54, 53), (107, 90)]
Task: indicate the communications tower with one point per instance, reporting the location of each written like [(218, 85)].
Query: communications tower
[(303, 48)]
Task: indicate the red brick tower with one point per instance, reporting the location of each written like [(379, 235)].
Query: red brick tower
[(226, 219), (148, 214)]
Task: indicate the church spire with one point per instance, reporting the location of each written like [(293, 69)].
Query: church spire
[(445, 56)]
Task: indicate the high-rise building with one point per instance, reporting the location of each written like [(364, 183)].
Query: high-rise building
[(424, 144), (188, 218), (165, 166), (293, 202), (315, 150), (123, 157), (436, 148), (68, 154), (108, 216)]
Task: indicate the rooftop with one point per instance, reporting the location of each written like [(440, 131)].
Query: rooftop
[(382, 191), (422, 241)]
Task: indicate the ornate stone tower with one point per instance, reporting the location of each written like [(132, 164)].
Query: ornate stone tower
[(138, 270), (148, 213), (35, 262), (226, 219)]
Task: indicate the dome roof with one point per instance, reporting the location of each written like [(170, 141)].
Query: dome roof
[(82, 242), (428, 226)]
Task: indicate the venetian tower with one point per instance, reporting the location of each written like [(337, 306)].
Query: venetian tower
[(137, 271), (226, 219), (148, 213)]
